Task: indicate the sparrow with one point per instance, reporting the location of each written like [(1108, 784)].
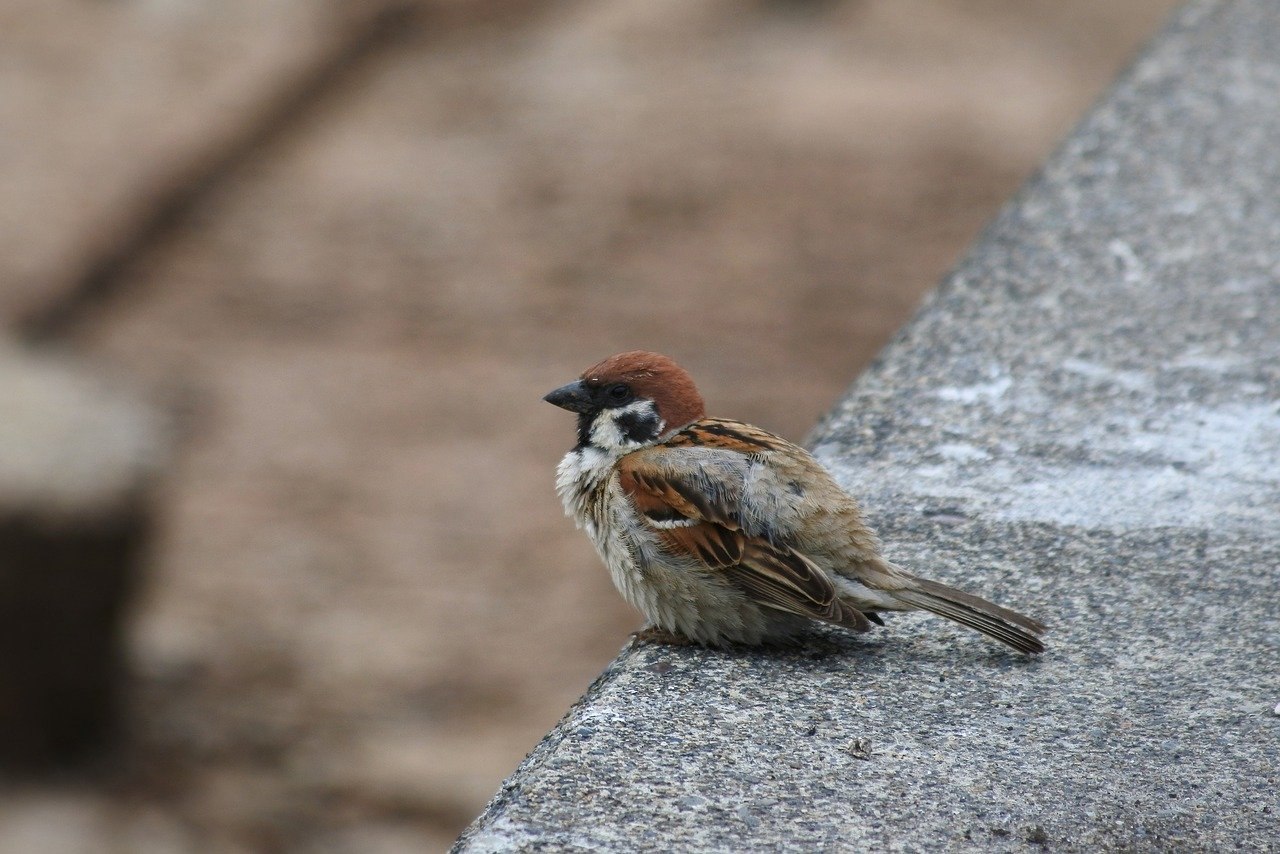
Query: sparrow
[(723, 534)]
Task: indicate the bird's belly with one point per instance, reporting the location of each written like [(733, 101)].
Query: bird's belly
[(683, 599)]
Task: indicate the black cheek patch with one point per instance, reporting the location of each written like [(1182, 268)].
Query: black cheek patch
[(584, 428), (639, 426)]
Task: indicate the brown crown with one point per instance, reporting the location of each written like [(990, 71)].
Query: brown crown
[(656, 377)]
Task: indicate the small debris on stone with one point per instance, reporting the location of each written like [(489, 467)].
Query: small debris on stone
[(859, 748)]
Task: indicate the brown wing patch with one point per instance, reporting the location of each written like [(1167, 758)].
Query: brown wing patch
[(655, 496), (663, 497), (694, 521), (714, 545), (726, 435), (692, 526), (788, 581)]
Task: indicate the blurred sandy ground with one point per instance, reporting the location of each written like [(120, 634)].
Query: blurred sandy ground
[(366, 605)]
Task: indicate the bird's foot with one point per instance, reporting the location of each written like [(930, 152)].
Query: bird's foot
[(659, 635)]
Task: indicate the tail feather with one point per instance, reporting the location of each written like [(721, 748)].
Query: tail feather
[(1008, 627)]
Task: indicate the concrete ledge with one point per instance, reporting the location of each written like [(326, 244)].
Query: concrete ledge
[(1084, 423)]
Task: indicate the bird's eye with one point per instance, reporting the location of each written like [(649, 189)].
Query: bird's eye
[(619, 391)]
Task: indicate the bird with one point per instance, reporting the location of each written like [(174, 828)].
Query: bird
[(723, 534)]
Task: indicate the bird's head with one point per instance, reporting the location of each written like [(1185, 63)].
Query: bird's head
[(630, 400)]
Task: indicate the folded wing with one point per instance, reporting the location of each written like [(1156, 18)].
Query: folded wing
[(696, 512)]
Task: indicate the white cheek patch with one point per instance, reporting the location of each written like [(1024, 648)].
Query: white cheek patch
[(627, 427)]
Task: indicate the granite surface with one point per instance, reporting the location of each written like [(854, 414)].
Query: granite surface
[(1083, 423)]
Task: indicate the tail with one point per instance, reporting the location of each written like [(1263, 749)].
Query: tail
[(1008, 627)]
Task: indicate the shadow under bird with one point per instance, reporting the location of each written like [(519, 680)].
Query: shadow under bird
[(721, 533)]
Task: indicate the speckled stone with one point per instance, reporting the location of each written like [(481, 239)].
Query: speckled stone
[(1084, 424)]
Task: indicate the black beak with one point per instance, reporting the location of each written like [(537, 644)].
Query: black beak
[(573, 397)]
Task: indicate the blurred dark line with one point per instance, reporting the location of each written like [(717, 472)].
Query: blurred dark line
[(161, 208)]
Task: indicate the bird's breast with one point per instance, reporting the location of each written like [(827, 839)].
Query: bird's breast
[(582, 481)]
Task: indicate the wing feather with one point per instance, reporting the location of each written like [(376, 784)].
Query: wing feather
[(695, 514)]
